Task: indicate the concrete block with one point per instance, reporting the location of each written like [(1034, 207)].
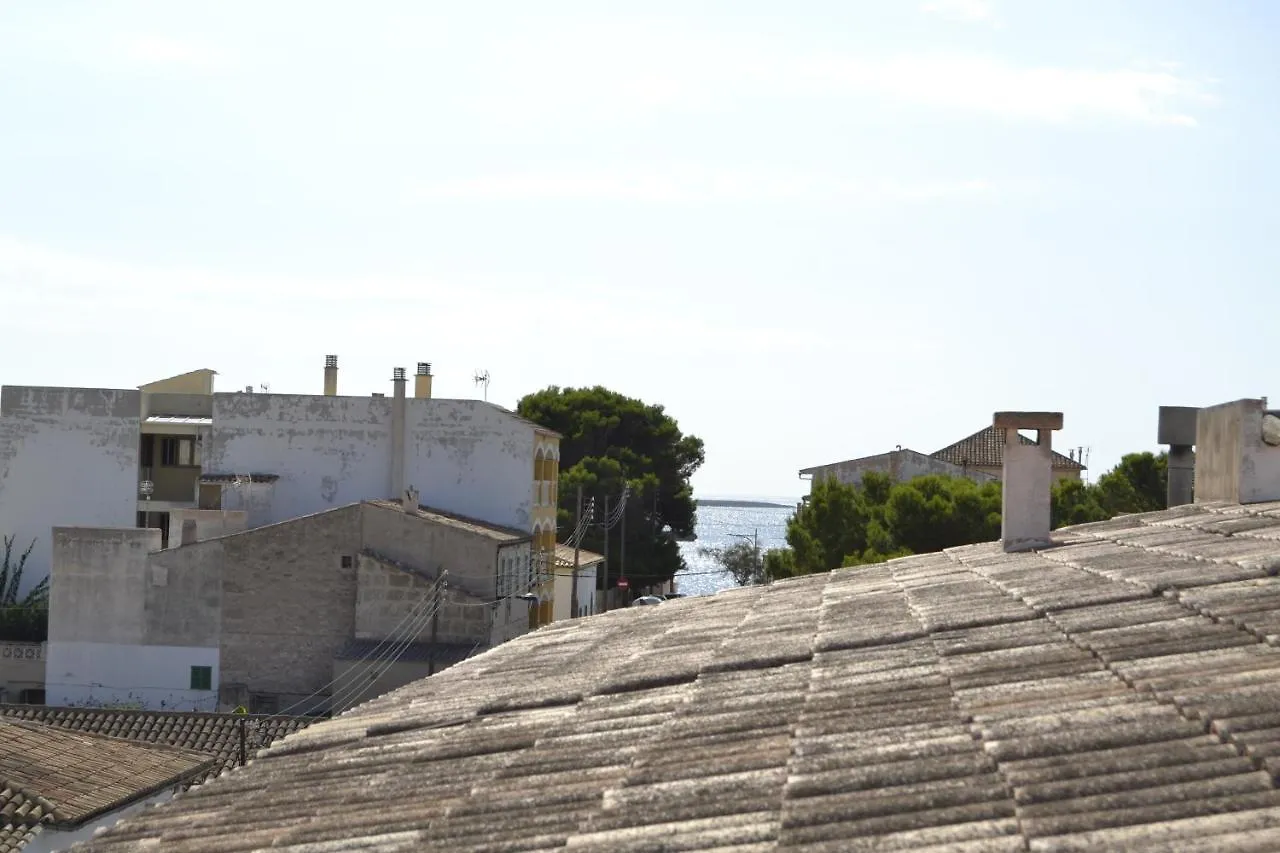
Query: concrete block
[(1028, 420), (1177, 425)]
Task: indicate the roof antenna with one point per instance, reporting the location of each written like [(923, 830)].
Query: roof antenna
[(482, 378)]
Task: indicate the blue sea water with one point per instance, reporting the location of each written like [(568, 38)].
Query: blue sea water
[(716, 528)]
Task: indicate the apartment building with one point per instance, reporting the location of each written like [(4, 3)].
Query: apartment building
[(139, 458)]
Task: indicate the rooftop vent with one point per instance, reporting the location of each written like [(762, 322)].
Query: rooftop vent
[(1177, 429), (1027, 479), (331, 376), (398, 374), (422, 382)]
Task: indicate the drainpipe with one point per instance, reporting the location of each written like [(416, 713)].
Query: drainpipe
[(398, 382)]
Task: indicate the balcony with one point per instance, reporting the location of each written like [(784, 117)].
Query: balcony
[(172, 483)]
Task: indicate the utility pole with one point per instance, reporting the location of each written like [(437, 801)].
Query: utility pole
[(435, 624), (622, 547), (755, 541), (577, 548), (606, 553), (243, 750)]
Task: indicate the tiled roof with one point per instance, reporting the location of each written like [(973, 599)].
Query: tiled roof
[(564, 557), (985, 449), (1120, 691), (49, 776), (471, 525), (217, 735), (22, 817)]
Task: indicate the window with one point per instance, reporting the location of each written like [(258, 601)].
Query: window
[(201, 678), (148, 457), (346, 561), (180, 451)]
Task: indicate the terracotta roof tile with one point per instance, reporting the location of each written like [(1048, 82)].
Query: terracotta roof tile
[(217, 735), (61, 778), (985, 449), (1119, 691), (564, 556)]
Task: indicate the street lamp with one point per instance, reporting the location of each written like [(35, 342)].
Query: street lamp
[(754, 539)]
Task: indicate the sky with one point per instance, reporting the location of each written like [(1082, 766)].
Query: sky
[(811, 230)]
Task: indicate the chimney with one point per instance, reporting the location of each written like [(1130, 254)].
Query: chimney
[(1027, 479), (1177, 429), (1238, 453), (397, 431), (410, 501), (422, 382), (188, 531), (331, 376)]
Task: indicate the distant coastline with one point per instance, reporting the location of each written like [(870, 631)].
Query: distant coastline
[(743, 504)]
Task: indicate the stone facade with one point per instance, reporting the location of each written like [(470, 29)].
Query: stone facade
[(268, 611), (288, 601)]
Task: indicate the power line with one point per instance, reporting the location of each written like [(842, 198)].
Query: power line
[(409, 618)]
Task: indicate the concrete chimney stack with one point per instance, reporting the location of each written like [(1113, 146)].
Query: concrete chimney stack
[(1177, 429), (1027, 480), (1238, 453), (411, 500), (398, 382), (331, 376), (422, 382)]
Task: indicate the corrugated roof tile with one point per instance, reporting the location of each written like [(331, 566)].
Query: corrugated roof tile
[(1117, 691)]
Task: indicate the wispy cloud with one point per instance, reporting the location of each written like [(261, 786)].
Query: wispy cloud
[(707, 72), (89, 295), (987, 85), (689, 185), (163, 50), (963, 10)]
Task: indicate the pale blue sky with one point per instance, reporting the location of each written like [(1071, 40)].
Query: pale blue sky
[(813, 230)]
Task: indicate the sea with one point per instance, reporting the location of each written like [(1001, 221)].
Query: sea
[(720, 526)]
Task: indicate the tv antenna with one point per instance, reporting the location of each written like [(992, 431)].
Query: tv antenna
[(266, 389), (482, 378)]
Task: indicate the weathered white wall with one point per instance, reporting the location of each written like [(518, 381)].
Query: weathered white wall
[(472, 458), (327, 451), (153, 677), (465, 456), (68, 457), (563, 606)]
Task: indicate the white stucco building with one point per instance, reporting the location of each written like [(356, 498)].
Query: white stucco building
[(112, 458)]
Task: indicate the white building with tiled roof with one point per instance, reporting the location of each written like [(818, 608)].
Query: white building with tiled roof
[(1109, 687)]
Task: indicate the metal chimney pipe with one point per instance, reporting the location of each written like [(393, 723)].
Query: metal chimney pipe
[(331, 376)]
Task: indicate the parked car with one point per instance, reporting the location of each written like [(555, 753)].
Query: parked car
[(646, 600)]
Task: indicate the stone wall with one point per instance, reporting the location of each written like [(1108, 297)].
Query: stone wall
[(389, 603), (288, 601)]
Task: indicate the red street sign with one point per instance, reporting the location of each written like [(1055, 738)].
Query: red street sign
[(623, 583)]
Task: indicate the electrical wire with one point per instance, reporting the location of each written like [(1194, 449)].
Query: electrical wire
[(411, 616)]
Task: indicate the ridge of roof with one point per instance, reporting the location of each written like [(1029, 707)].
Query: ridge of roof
[(1118, 690), (564, 556), (499, 532), (985, 449)]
